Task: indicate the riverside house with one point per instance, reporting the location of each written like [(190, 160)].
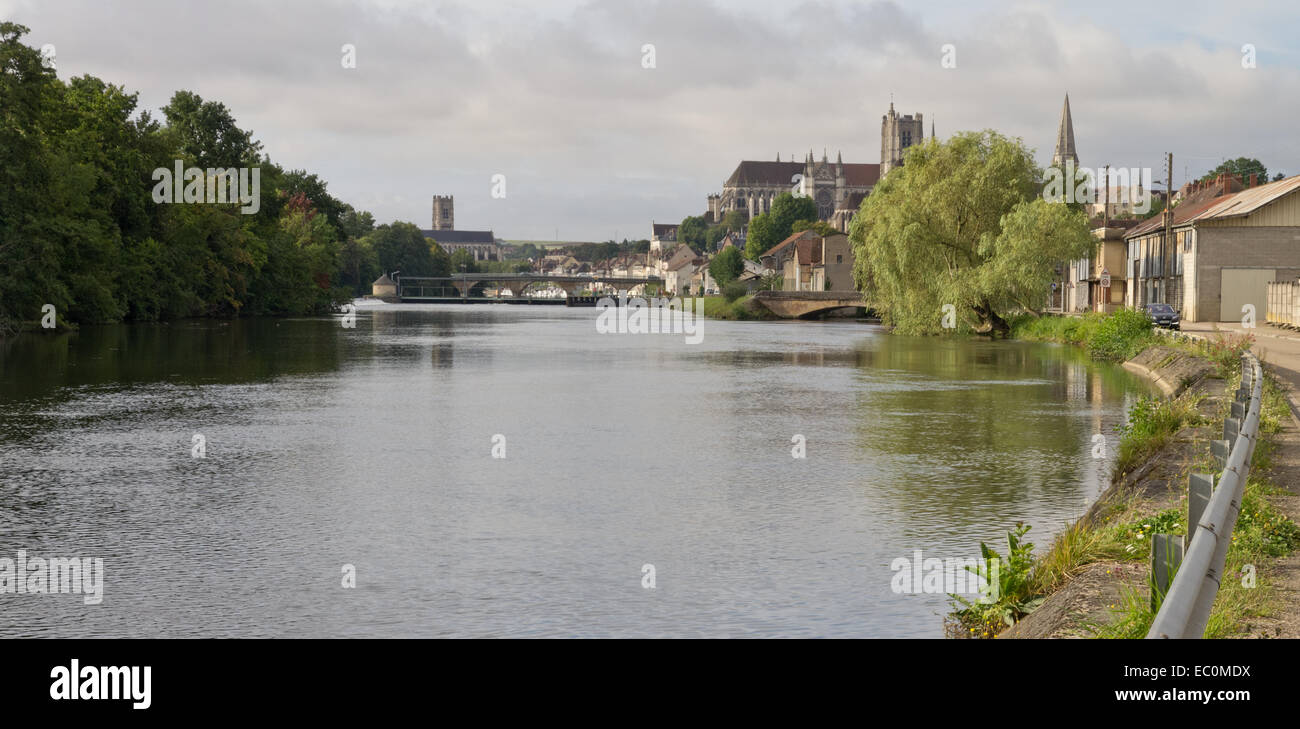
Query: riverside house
[(1230, 238), (811, 262)]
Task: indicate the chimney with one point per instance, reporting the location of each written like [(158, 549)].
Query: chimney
[(1253, 177)]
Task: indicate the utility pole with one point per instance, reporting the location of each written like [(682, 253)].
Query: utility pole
[(1105, 203), (1169, 226)]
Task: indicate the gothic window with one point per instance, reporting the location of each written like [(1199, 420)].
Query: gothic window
[(825, 207)]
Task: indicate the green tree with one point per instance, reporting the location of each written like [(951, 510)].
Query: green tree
[(1241, 166), (963, 223), (761, 236), (819, 227), (206, 132), (787, 209), (714, 235), (402, 247), (768, 229), (462, 261), (79, 229), (692, 232), (727, 265), (735, 220)]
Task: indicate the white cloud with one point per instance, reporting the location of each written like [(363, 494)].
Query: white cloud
[(554, 97)]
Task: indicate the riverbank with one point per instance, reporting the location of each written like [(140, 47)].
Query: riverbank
[(741, 309), (1092, 582)]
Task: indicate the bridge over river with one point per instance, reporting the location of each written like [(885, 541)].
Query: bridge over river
[(799, 304), (469, 288), (462, 286)]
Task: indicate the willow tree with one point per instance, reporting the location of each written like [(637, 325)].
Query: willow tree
[(962, 224)]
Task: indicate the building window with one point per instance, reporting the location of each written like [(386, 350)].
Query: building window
[(839, 259)]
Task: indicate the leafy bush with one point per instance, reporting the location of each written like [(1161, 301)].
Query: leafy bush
[(1152, 421), (1110, 337), (1120, 335), (1009, 588), (733, 291)]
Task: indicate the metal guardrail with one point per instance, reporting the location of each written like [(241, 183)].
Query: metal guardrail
[(1213, 510)]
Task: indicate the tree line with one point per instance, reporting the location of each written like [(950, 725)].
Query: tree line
[(80, 230)]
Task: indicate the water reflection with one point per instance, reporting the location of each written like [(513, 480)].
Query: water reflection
[(371, 446)]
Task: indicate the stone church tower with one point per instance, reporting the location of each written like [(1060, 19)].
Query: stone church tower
[(1065, 139), (896, 134), (444, 212)]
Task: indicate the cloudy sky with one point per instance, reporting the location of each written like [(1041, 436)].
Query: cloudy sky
[(553, 95)]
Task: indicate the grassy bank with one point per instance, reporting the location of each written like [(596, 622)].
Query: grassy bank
[(1111, 337), (1122, 529), (739, 309)]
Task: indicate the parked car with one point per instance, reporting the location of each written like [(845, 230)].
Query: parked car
[(1163, 315)]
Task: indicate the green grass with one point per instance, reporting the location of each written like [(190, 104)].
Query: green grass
[(1152, 424), (1262, 534), (1107, 337), (1125, 528), (717, 307)]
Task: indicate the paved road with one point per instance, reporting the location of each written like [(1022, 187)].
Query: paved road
[(1278, 347)]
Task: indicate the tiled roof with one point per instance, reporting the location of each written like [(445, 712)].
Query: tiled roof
[(794, 237), (861, 175), (809, 251), (853, 201), (460, 236), (751, 172), (1185, 211), (1248, 201)]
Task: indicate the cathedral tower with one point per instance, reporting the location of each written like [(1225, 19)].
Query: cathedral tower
[(897, 133), (444, 212)]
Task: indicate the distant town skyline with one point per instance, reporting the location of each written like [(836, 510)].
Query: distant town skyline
[(593, 145)]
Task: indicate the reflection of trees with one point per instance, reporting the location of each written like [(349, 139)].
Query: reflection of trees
[(188, 352), (980, 422)]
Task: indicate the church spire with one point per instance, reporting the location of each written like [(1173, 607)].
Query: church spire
[(1065, 139)]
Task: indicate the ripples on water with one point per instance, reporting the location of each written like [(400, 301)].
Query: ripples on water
[(372, 447)]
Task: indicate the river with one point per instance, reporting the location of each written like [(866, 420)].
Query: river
[(367, 452)]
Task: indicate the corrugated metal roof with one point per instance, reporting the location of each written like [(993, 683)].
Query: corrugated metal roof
[(1248, 201), (1184, 212)]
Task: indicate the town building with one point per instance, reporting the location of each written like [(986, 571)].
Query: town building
[(482, 244), (383, 287), (1229, 238), (663, 237), (1082, 287), (811, 262), (837, 188)]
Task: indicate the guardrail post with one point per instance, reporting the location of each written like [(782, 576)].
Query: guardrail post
[(1219, 449), (1231, 427), (1166, 555), (1200, 486)]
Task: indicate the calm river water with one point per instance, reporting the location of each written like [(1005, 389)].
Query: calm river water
[(372, 447)]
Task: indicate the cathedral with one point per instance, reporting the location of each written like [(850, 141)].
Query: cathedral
[(836, 187)]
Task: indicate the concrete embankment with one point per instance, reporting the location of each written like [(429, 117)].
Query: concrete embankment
[(1171, 370)]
